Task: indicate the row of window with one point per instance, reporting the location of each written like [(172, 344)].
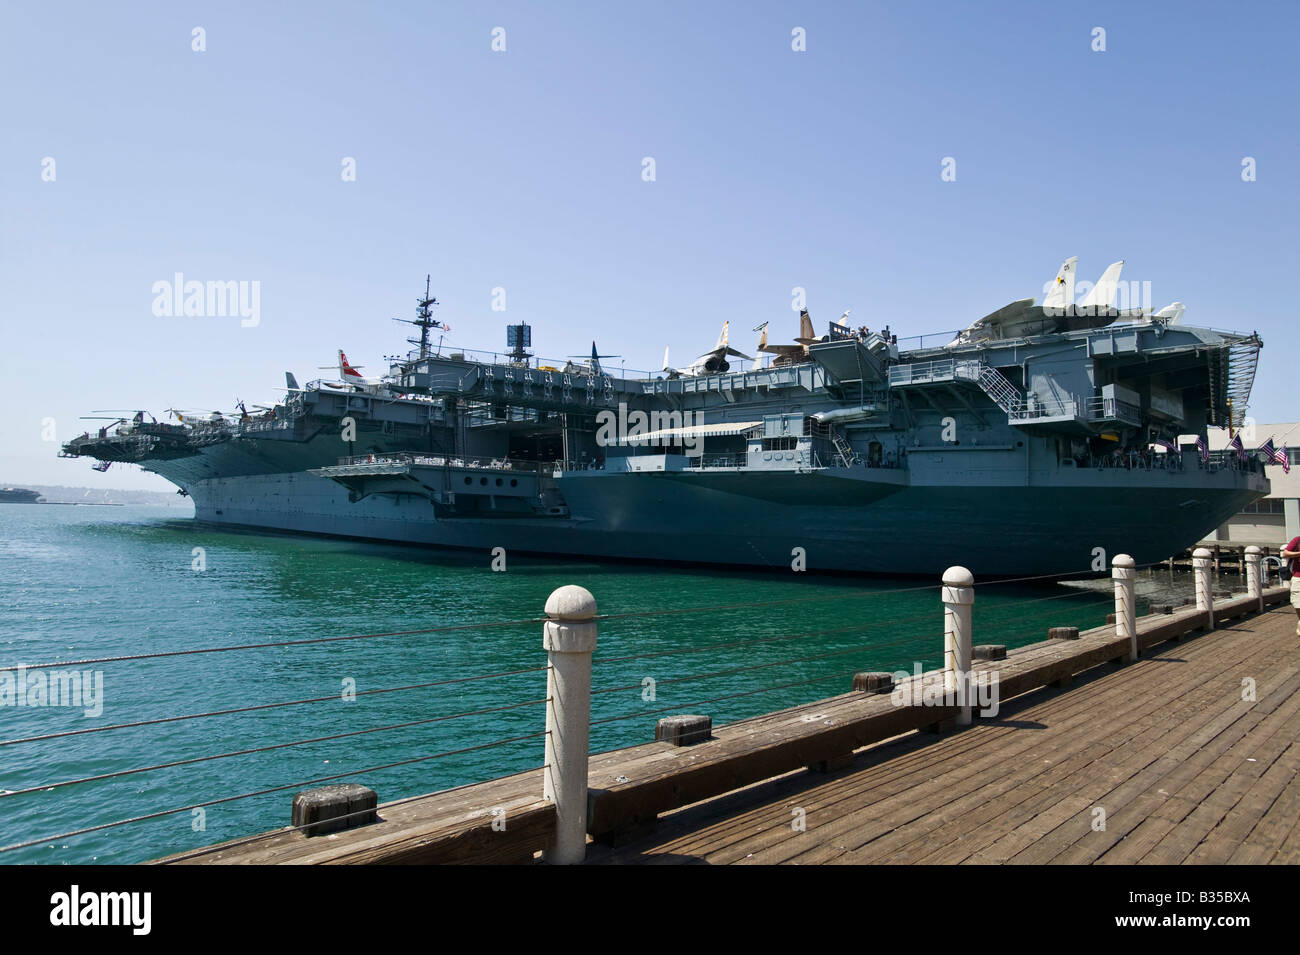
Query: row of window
[(1266, 505)]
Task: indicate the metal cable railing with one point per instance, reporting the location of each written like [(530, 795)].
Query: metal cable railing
[(264, 792)]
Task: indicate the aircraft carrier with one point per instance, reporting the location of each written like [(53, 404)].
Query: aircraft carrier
[(1042, 439)]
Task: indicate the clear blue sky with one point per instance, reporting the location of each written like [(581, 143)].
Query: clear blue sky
[(522, 169)]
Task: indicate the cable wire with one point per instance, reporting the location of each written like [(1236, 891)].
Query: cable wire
[(261, 792)]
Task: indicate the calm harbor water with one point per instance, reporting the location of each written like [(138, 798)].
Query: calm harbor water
[(92, 582)]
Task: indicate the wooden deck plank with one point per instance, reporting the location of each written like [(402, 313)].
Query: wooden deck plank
[(952, 748), (1088, 781), (1132, 783), (1164, 745)]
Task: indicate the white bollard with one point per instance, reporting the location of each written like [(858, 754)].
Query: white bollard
[(1201, 560), (570, 639), (1123, 571), (1254, 586), (958, 597)]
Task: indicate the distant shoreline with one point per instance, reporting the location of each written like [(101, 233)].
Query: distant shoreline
[(95, 504), (64, 494)]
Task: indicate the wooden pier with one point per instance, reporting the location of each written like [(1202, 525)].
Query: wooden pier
[(1188, 754), (1183, 769)]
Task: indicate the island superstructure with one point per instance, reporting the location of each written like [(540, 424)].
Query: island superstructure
[(1030, 443)]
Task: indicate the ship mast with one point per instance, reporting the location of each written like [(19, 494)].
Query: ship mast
[(424, 319)]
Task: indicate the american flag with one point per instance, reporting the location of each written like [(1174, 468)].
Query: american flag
[(1167, 445), (1276, 456), (1200, 446), (1236, 445)]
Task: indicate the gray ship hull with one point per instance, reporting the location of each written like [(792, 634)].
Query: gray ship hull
[(841, 523)]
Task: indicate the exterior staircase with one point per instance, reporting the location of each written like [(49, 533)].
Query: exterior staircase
[(842, 448), (1002, 392)]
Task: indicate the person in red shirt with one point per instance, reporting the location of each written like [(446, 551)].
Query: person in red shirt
[(1292, 552)]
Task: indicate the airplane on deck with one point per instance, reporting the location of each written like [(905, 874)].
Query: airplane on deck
[(712, 362), (1059, 312), (592, 363), (350, 377), (791, 354)]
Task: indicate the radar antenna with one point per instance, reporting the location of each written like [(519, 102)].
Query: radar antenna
[(518, 338)]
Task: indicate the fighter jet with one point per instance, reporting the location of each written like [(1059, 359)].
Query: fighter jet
[(790, 354), (713, 362), (1060, 313)]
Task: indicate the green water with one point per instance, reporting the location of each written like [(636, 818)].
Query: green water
[(91, 582)]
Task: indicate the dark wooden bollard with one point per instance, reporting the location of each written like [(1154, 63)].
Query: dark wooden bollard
[(334, 808), (683, 730), (989, 651), (1067, 633), (873, 682)]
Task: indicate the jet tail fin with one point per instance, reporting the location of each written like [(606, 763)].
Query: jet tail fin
[(806, 326), (1102, 295), (290, 381), (722, 337), (1061, 294), (346, 370), (1172, 314)]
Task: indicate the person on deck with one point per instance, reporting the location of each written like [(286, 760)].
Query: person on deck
[(1292, 552)]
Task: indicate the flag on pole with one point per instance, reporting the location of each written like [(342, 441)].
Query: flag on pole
[(1200, 446), (1236, 445), (1276, 456), (1167, 445)]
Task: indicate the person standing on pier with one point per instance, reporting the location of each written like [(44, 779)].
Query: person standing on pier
[(1292, 552)]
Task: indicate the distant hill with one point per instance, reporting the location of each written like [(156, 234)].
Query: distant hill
[(59, 494)]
